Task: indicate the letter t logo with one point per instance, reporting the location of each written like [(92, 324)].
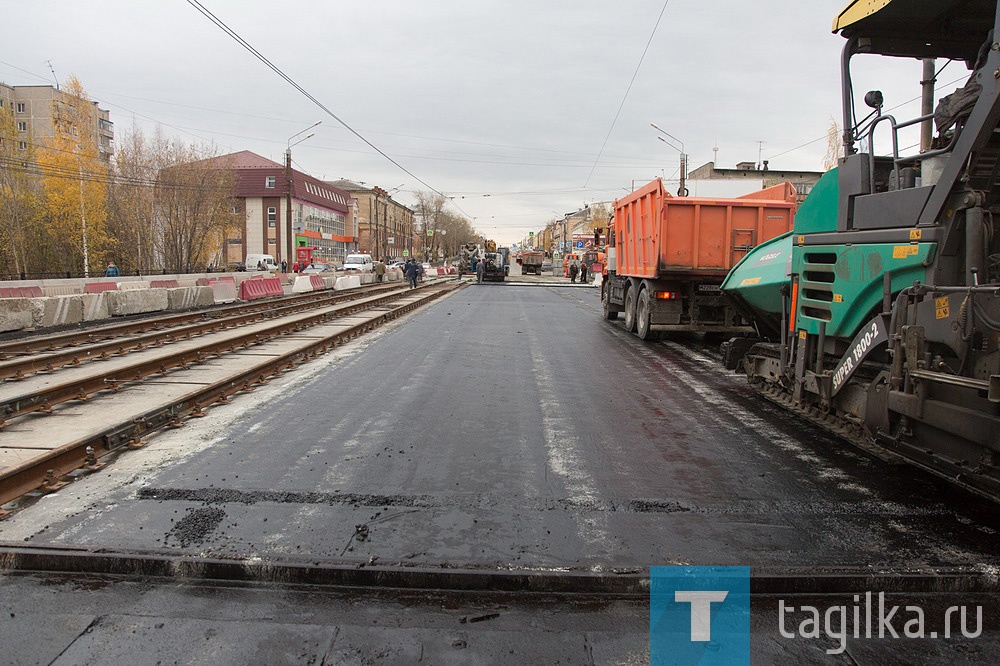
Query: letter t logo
[(701, 611)]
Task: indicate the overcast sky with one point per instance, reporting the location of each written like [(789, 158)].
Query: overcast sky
[(504, 105)]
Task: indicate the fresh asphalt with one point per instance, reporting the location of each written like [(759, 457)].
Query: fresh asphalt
[(505, 428)]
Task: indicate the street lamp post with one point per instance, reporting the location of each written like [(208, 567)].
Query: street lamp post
[(682, 190), (289, 233)]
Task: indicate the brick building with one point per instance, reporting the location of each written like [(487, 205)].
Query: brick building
[(323, 217), (385, 226)]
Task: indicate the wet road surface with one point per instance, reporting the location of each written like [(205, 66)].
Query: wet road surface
[(509, 427)]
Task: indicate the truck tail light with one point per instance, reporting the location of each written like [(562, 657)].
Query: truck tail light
[(667, 295)]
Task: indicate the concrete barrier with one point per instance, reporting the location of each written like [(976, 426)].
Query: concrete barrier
[(302, 284), (394, 275), (15, 314), (56, 310), (222, 292), (94, 307), (62, 290), (367, 278), (329, 281), (348, 282), (182, 298), (135, 301), (187, 282)]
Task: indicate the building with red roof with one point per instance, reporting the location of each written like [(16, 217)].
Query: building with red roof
[(323, 217)]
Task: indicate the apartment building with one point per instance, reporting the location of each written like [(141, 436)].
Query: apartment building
[(36, 112)]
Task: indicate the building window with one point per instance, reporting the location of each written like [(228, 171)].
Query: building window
[(271, 241), (269, 182), (23, 145), (803, 188), (272, 216), (20, 107), (22, 126)]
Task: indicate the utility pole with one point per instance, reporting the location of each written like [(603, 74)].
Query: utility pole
[(927, 104), (289, 232), (289, 243)]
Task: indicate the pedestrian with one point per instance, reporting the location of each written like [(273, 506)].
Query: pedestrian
[(284, 266), (112, 270), (260, 265), (480, 270), (411, 273), (573, 270), (295, 267), (379, 271), (583, 273)]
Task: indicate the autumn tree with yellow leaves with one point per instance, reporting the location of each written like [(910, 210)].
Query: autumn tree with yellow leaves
[(19, 199), (74, 186)]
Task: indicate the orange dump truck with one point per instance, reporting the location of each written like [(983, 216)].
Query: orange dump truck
[(668, 255)]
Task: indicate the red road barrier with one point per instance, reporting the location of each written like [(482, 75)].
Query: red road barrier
[(252, 289), (99, 287), (163, 284), (317, 282), (207, 282), (273, 286), (21, 292)]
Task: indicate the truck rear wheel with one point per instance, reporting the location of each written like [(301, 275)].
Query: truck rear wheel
[(630, 310), (609, 313), (643, 313)]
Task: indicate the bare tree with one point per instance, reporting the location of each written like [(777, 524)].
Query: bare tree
[(195, 203), (131, 202)]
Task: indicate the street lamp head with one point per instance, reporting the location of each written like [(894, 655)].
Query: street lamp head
[(290, 144)]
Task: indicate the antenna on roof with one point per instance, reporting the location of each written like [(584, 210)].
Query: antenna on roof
[(53, 70)]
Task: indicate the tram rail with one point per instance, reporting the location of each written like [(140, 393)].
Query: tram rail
[(45, 471)]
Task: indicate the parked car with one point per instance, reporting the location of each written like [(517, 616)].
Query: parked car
[(361, 263), (261, 262), (237, 266)]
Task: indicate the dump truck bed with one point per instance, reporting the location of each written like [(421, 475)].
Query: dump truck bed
[(658, 235)]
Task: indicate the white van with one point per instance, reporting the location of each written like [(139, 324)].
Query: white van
[(361, 263), (255, 261)]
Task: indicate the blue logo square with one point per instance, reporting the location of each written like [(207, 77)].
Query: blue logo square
[(699, 615)]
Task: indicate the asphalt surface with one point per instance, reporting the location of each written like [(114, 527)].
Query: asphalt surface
[(508, 428)]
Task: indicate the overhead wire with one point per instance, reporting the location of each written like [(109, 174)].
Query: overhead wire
[(274, 68), (627, 90)]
